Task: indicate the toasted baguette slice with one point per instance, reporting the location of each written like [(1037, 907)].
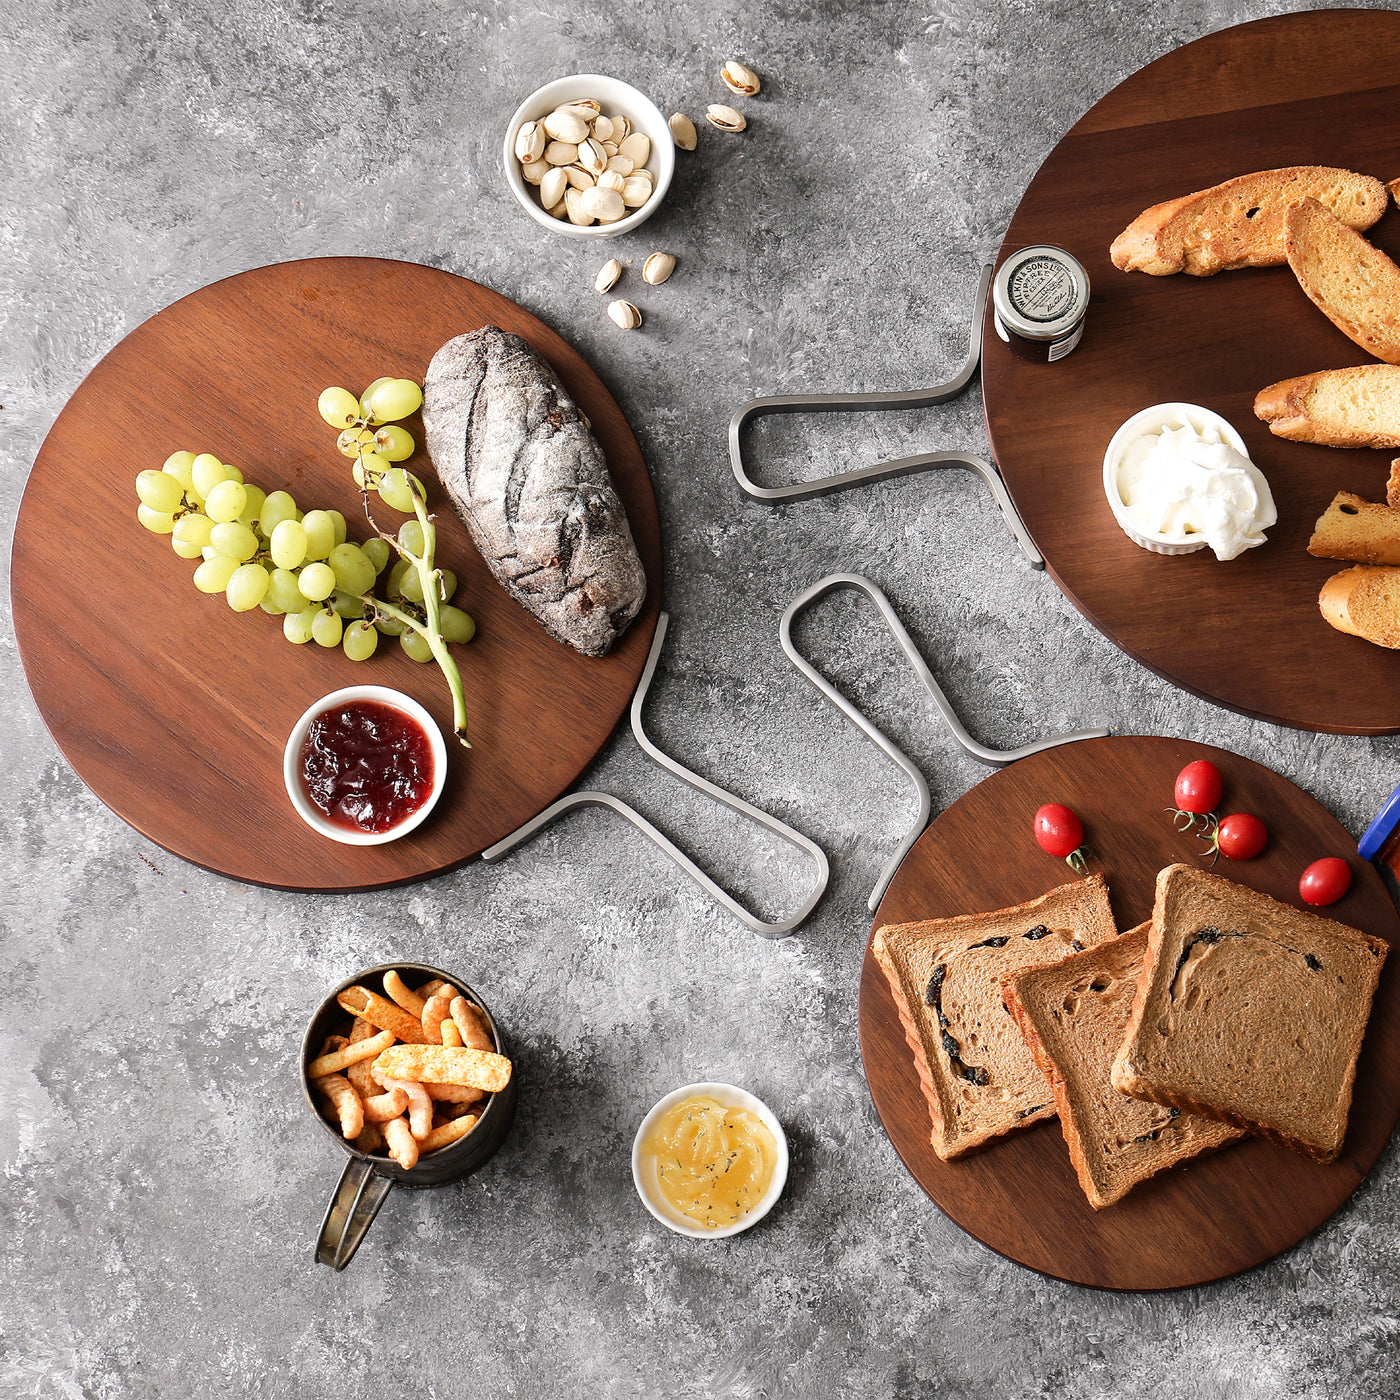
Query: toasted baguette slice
[(1394, 187), (1249, 1011), (1357, 407), (1240, 223), (1349, 280), (945, 974), (1352, 528), (1365, 602), (1072, 1017)]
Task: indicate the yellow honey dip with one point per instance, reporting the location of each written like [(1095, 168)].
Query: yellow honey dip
[(713, 1164)]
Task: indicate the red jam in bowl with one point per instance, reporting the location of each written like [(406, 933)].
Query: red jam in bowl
[(366, 766)]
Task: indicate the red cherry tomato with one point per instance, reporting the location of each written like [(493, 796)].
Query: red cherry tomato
[(1199, 787), (1241, 836), (1325, 881), (1058, 830)]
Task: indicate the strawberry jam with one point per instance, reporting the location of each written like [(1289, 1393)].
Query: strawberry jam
[(366, 765)]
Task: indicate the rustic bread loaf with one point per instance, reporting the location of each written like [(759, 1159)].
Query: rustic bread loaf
[(1365, 602), (1249, 1011), (1072, 1016), (1348, 279), (945, 976), (1357, 407), (1240, 223), (1353, 528)]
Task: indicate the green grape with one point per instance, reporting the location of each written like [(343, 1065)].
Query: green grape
[(251, 514), (456, 625), (178, 465), (278, 507), (397, 574), (288, 544), (247, 587), (390, 626), (364, 398), (206, 473), (394, 443), (411, 536), (415, 646), (317, 582), (346, 604), (184, 548), (209, 552), (271, 608), (411, 586), (320, 533), (235, 540), (374, 464), (395, 399), (339, 407), (360, 641), (327, 626), (160, 491), (296, 626), (158, 522), (352, 440), (377, 551), (213, 575), (233, 474), (225, 502), (394, 490), (341, 529), (447, 585), (282, 589), (193, 528), (353, 572)]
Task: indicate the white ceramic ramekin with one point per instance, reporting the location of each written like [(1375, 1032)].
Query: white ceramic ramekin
[(296, 787), (1152, 420), (616, 97), (644, 1173)]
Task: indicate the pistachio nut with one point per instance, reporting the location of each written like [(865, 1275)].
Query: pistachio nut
[(585, 107), (573, 203), (636, 147), (553, 185), (610, 149), (559, 211), (622, 129), (592, 156), (564, 125), (579, 179), (624, 315), (682, 131), (611, 180), (607, 276), (621, 164), (602, 204), (602, 129), (635, 191), (740, 80), (535, 170), (561, 153), (529, 142), (658, 268), (726, 118)]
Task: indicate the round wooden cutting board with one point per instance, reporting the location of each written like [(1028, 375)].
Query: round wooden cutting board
[(1194, 1223), (175, 710), (1318, 88)]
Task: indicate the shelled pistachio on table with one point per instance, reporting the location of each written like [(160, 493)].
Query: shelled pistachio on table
[(587, 166)]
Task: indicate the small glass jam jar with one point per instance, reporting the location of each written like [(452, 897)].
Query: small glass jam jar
[(1039, 298)]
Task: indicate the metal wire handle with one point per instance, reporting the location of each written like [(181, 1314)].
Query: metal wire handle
[(737, 804), (995, 758)]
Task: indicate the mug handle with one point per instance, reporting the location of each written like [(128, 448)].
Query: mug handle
[(358, 1196)]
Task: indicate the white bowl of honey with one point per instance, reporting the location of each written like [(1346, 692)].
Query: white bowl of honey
[(709, 1160)]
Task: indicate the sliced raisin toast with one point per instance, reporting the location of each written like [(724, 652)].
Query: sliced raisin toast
[(945, 974), (1072, 1016), (1249, 1011)]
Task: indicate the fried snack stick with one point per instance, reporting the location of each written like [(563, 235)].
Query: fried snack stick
[(403, 1146), (431, 989), (472, 1025), (451, 1036), (370, 1140), (382, 1107), (345, 1101), (411, 1002), (360, 1001), (358, 1073), (437, 1064), (448, 1133), (453, 1093), (436, 1011), (348, 1054), (420, 1106)]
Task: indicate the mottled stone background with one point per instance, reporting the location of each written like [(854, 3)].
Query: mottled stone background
[(162, 1182)]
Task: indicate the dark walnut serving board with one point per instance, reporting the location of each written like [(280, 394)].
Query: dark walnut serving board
[(1320, 88), (1195, 1223), (174, 709)]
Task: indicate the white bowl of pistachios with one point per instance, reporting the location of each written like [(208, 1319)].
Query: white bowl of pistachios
[(596, 149)]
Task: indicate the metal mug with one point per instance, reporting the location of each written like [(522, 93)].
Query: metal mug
[(369, 1176)]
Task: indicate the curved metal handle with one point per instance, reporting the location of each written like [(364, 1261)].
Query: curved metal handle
[(358, 1196), (737, 804), (996, 758)]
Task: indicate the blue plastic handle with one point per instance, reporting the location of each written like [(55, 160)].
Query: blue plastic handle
[(1378, 833)]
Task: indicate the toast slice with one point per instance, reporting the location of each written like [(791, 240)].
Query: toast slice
[(1364, 602), (1348, 279), (1072, 1016), (945, 975), (1249, 1011), (1240, 223), (1353, 528), (1357, 407)]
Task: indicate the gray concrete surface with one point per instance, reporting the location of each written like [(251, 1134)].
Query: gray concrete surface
[(162, 1183)]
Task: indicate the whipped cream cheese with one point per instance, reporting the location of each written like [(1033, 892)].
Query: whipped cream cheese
[(1179, 480)]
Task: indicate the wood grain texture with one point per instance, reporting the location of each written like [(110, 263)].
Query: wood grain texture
[(1209, 1218), (175, 710), (1316, 88)]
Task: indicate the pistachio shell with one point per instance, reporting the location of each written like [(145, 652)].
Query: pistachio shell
[(624, 315), (611, 180), (553, 185), (592, 156), (622, 165), (603, 204), (658, 268), (635, 191), (726, 118), (564, 125), (529, 142), (607, 276), (602, 129), (573, 202), (739, 79), (585, 107), (682, 131), (561, 153), (637, 147), (579, 179), (535, 170)]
